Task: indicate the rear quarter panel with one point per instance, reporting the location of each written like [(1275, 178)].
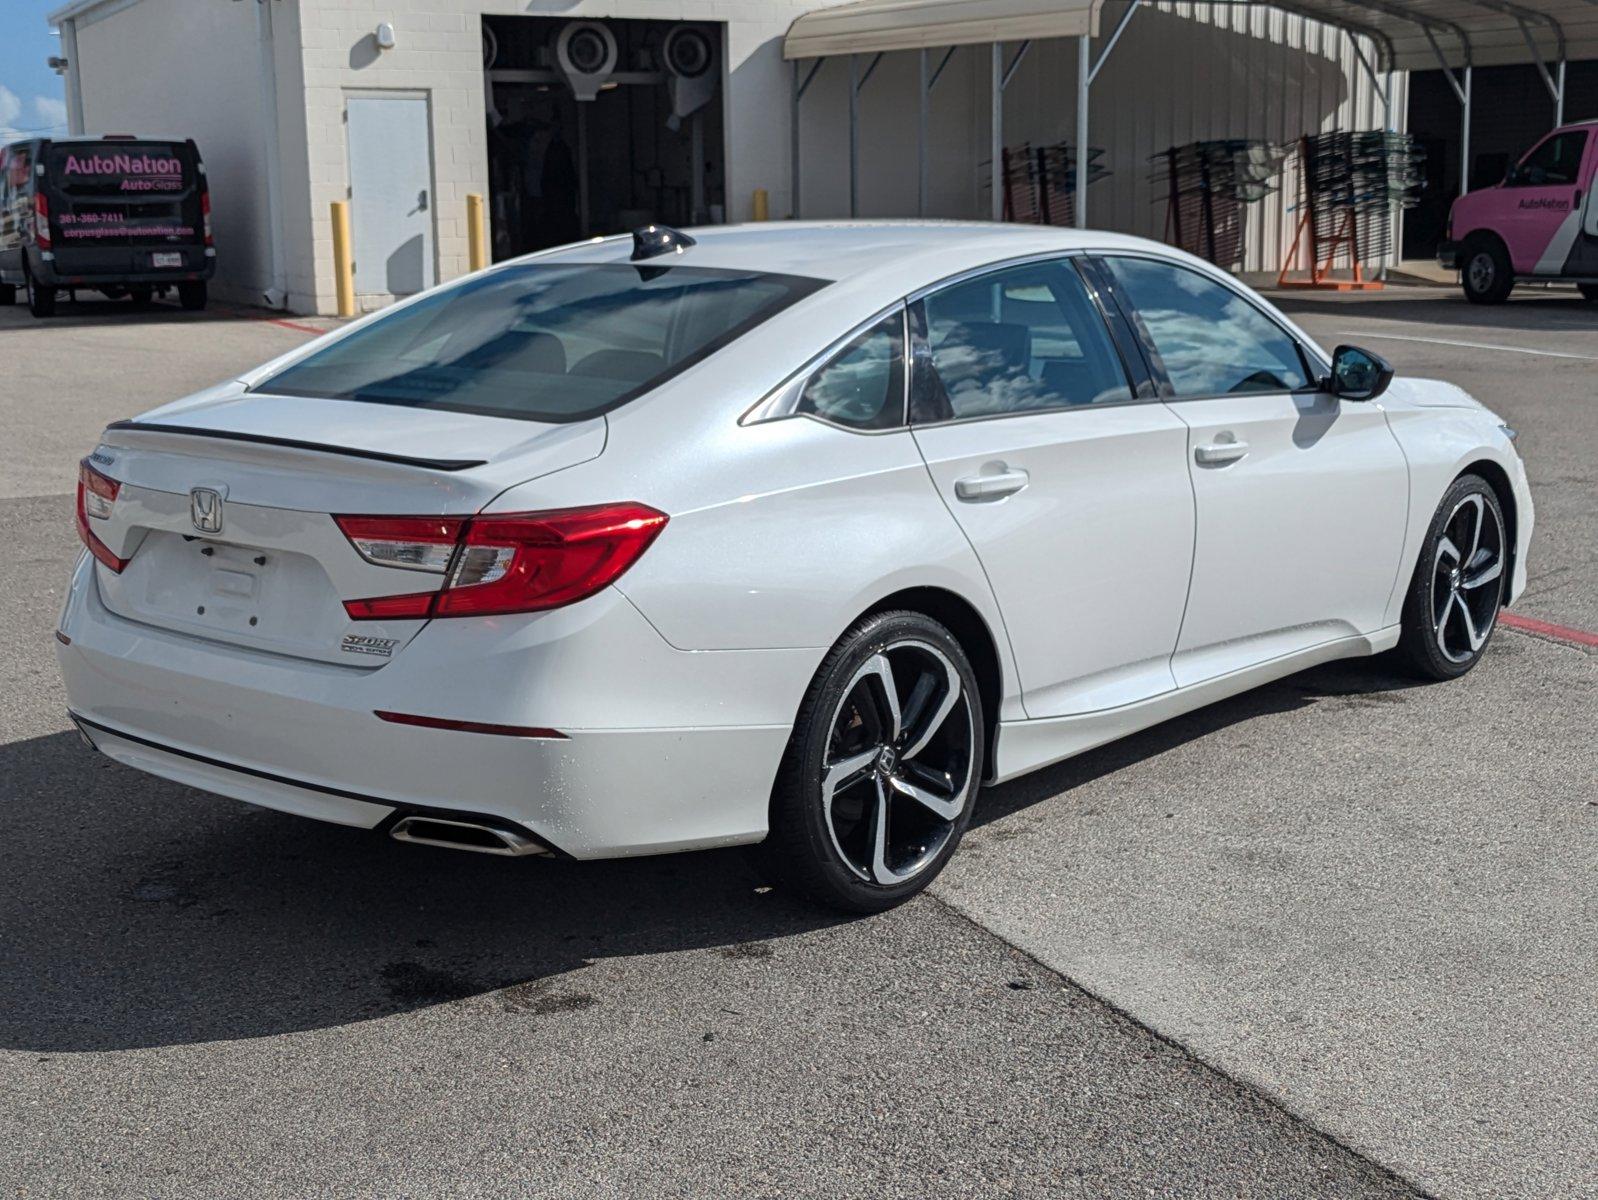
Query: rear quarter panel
[(781, 533)]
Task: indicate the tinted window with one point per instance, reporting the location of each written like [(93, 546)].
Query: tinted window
[(863, 385), (543, 342), (122, 169), (1211, 341), (1556, 161), (1017, 340)]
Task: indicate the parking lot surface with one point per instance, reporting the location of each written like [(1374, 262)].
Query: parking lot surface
[(1333, 938)]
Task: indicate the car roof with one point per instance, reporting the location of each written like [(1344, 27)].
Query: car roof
[(837, 250)]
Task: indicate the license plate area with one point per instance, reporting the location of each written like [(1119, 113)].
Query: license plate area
[(266, 599), (166, 258)]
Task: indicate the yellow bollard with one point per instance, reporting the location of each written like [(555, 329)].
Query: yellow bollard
[(762, 205), (343, 268), (476, 233)]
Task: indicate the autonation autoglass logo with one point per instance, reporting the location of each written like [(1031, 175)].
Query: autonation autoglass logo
[(133, 172)]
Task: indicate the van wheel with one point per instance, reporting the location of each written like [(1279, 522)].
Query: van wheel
[(1488, 275), (1589, 291), (192, 294), (141, 296), (41, 299), (8, 293)]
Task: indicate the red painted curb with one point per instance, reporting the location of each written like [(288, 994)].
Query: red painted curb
[(1563, 633)]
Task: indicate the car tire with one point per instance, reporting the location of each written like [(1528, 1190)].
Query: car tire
[(1589, 291), (1486, 272), (1452, 604), (141, 296), (41, 299), (8, 294), (193, 294), (874, 794)]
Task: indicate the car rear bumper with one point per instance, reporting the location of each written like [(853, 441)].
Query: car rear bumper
[(303, 736)]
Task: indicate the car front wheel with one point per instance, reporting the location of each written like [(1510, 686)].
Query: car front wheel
[(1454, 597), (883, 767)]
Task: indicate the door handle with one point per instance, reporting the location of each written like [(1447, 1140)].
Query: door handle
[(1216, 453), (991, 487), (421, 200)]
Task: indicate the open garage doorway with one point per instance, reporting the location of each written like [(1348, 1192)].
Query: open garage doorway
[(598, 127)]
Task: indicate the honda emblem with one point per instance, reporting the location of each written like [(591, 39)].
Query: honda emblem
[(205, 509)]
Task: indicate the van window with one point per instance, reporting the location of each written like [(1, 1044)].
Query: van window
[(1554, 163), (120, 169), (115, 194)]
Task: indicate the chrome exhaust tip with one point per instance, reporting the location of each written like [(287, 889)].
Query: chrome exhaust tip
[(465, 835)]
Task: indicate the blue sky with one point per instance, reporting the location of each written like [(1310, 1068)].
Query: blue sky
[(30, 93)]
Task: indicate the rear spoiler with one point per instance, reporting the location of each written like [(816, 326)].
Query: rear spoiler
[(432, 464)]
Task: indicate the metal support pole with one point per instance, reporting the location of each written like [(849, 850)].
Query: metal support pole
[(925, 100), (854, 136), (1084, 83), (1559, 100), (800, 87), (1464, 141), (996, 135), (793, 144)]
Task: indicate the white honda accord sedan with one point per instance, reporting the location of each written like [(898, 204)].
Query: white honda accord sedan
[(786, 534)]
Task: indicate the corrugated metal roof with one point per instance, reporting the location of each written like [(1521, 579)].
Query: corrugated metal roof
[(1465, 32), (871, 25)]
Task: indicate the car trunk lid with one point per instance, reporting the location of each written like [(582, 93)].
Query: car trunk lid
[(225, 512)]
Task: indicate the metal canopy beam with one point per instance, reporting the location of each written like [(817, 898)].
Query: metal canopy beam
[(1086, 72)]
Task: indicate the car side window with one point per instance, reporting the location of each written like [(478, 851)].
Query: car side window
[(862, 386), (1021, 339), (1211, 341), (1557, 161)]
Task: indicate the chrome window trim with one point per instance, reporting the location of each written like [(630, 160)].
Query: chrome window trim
[(782, 402)]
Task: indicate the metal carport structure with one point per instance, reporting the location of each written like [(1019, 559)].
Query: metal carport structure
[(1401, 35)]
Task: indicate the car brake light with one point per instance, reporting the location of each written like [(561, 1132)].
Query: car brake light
[(205, 213), (97, 494), (503, 562), (41, 221)]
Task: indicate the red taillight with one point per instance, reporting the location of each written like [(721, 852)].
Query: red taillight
[(41, 221), (503, 562), (205, 213), (96, 494)]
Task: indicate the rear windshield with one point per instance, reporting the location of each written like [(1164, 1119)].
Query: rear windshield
[(544, 342), (126, 170)]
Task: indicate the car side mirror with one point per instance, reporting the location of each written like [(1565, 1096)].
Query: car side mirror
[(1358, 374)]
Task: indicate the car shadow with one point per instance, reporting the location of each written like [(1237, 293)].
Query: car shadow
[(136, 912), (1362, 682)]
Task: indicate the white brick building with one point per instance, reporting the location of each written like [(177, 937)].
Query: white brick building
[(291, 102)]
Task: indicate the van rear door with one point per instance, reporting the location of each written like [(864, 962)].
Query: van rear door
[(134, 208)]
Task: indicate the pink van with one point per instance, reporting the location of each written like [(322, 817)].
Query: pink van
[(1539, 224)]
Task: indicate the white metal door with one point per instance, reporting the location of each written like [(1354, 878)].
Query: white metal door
[(391, 194)]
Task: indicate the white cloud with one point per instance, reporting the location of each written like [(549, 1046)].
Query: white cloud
[(51, 112), (10, 106), (43, 116)]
